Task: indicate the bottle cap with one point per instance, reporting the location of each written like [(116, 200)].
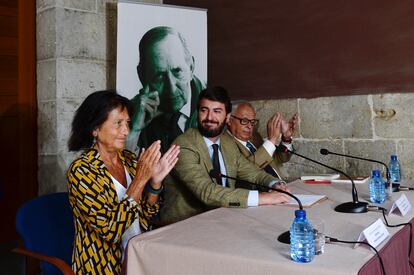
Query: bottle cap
[(393, 157), (300, 213), (376, 173)]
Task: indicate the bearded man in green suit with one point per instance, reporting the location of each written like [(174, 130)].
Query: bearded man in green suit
[(191, 189), (262, 152)]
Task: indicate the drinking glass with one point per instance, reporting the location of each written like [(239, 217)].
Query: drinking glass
[(319, 235)]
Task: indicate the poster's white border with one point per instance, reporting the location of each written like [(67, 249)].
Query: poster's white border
[(162, 5), (129, 85)]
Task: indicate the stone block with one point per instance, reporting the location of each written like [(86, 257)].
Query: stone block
[(46, 4), (103, 6), (81, 34), (266, 109), (46, 80), (405, 149), (52, 174), (335, 117), (393, 115), (79, 78), (298, 166), (66, 110), (46, 34), (46, 125), (372, 149), (86, 5), (69, 157)]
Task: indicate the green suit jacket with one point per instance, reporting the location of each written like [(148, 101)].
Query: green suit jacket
[(189, 189), (262, 158)]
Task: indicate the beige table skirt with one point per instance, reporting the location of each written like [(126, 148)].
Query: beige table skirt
[(244, 241)]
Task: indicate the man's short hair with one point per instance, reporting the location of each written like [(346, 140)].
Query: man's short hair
[(216, 93), (153, 36)]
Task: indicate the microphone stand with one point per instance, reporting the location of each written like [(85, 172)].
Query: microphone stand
[(285, 236), (395, 186), (354, 206)]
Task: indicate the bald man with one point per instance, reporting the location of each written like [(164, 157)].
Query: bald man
[(262, 152)]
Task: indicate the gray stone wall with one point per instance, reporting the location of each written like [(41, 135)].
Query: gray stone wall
[(369, 126), (76, 55), (76, 52)]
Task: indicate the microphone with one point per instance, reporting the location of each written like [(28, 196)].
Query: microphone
[(213, 173), (348, 207), (285, 236), (395, 186), (404, 188)]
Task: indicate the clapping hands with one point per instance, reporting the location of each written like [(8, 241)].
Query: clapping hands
[(151, 166), (277, 125), (288, 127), (165, 164)]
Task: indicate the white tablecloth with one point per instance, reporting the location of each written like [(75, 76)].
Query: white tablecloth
[(244, 241)]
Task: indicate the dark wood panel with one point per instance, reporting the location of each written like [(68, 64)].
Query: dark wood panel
[(27, 126), (18, 113), (8, 26), (8, 46), (9, 133), (280, 49), (9, 3), (8, 86), (8, 107), (8, 11), (8, 180), (8, 66)]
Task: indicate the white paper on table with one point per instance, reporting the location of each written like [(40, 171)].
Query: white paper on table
[(306, 200), (320, 177), (357, 180)]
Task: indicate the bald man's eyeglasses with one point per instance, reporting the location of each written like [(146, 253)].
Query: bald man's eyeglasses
[(245, 121)]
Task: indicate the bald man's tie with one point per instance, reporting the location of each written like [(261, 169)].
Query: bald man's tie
[(268, 169)]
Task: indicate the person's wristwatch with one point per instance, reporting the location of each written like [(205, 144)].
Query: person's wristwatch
[(149, 188)]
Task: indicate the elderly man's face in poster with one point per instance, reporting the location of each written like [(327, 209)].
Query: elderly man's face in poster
[(169, 72)]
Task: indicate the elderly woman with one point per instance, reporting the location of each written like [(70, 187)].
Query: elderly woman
[(112, 194)]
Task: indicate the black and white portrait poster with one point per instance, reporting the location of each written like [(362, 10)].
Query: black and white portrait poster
[(162, 67)]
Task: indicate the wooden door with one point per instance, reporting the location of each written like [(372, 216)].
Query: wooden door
[(18, 143)]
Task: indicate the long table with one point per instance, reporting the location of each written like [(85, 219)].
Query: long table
[(244, 241)]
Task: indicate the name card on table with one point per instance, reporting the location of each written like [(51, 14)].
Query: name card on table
[(401, 206), (374, 234)]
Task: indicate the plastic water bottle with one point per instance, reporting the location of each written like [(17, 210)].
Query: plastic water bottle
[(394, 168), (301, 238), (377, 187)]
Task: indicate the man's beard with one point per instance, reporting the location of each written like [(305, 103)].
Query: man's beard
[(210, 132)]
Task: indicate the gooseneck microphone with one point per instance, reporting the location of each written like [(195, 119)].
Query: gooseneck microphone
[(213, 173), (285, 236), (354, 206), (395, 186)]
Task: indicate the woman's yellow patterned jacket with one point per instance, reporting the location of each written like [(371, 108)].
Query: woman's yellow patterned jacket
[(99, 218)]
